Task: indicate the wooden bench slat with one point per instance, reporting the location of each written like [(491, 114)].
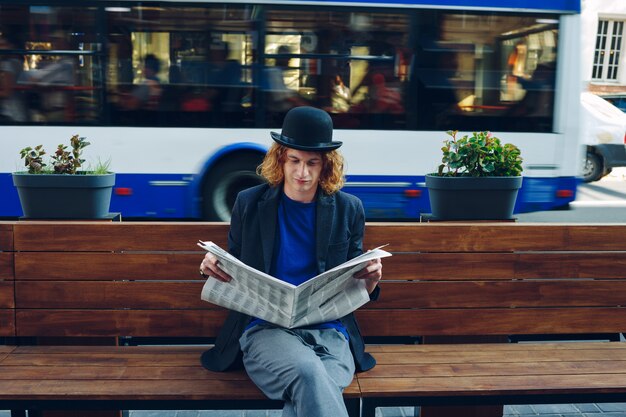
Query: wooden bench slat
[(77, 349), (6, 266), (394, 295), (497, 266), (122, 294), (487, 356), (423, 266), (484, 237), (6, 236), (493, 347), (119, 357), (7, 323), (79, 323), (128, 389), (491, 321), (137, 390), (196, 372), (496, 368), (494, 385), (107, 266), (190, 323), (501, 294), (66, 236), (5, 350), (494, 237), (7, 294)]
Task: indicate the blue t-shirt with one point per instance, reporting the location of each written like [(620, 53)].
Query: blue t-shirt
[(294, 261)]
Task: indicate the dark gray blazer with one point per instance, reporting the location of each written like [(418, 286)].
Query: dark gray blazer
[(340, 225)]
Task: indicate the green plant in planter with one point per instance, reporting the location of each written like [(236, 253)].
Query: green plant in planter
[(479, 155), (59, 190), (63, 161)]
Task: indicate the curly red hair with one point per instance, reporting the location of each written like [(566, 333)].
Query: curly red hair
[(332, 177)]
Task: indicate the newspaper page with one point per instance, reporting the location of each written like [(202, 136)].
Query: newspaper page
[(326, 297)]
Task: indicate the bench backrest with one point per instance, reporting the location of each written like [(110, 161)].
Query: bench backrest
[(141, 279)]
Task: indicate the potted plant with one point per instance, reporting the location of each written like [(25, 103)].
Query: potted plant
[(60, 190), (478, 179)]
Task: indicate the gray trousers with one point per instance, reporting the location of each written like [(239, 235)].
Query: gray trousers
[(308, 369)]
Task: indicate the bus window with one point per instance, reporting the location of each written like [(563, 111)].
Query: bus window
[(474, 70), (202, 66), (354, 65), (53, 67)]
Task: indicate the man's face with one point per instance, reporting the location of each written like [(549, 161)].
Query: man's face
[(302, 171)]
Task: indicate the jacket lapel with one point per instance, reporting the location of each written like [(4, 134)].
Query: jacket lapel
[(268, 214), (323, 226)]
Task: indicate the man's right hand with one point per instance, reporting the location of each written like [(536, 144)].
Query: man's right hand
[(209, 269)]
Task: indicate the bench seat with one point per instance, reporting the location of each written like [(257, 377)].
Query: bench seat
[(114, 377)]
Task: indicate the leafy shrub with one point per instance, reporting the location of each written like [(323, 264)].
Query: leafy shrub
[(63, 161), (479, 155)]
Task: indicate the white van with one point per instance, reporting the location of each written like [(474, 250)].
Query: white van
[(603, 130)]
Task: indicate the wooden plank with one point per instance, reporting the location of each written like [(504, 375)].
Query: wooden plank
[(172, 350), (128, 389), (494, 237), (6, 266), (138, 390), (4, 351), (7, 322), (107, 266), (403, 295), (119, 358), (474, 354), (571, 265), (7, 296), (423, 266), (485, 355), (501, 294), (411, 237), (493, 385), (6, 236), (87, 372), (495, 368), (495, 321), (493, 347), (116, 236), (174, 323), (483, 266), (112, 295)]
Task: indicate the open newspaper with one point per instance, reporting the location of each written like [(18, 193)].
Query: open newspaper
[(326, 297)]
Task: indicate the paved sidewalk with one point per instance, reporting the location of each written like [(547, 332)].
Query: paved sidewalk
[(560, 410), (542, 410)]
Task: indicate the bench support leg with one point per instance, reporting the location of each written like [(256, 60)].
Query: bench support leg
[(353, 405), (464, 411)]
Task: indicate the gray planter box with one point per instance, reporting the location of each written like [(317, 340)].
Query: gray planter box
[(62, 196), (471, 198)]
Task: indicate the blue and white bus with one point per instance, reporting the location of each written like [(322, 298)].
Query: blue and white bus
[(181, 95)]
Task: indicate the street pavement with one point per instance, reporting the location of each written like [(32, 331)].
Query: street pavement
[(559, 410), (563, 410)]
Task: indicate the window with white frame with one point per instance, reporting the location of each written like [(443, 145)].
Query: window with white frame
[(607, 50)]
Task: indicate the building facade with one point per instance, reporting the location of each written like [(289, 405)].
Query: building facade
[(604, 54)]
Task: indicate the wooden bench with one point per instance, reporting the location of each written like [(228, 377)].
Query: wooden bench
[(498, 280), (86, 283)]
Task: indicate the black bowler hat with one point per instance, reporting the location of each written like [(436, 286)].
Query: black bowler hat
[(307, 129)]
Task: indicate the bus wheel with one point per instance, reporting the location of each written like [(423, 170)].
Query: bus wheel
[(223, 183), (593, 168)]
